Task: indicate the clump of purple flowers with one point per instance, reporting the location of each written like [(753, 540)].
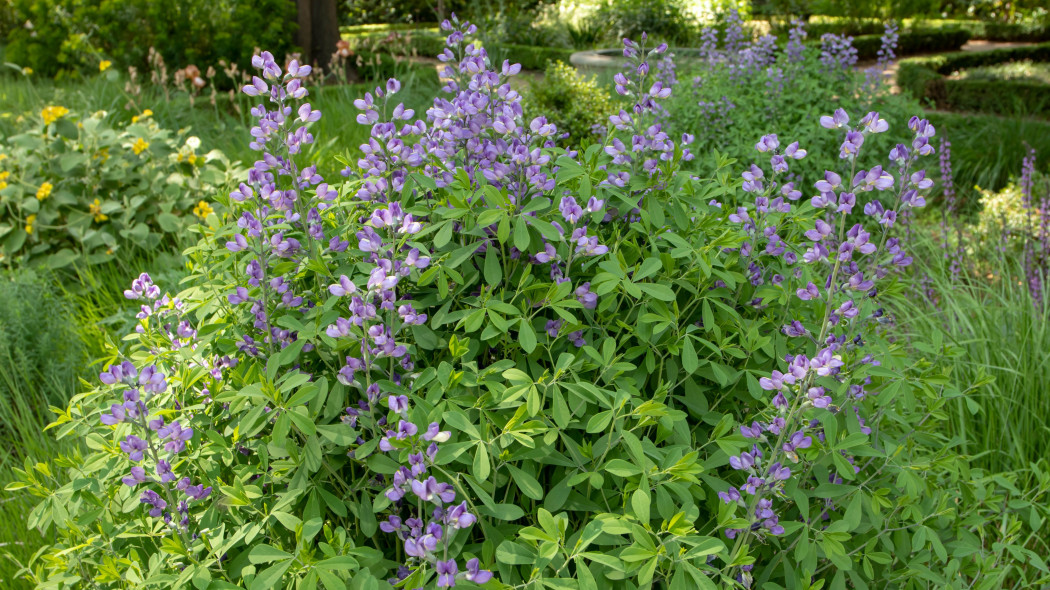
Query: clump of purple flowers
[(425, 516), (151, 443), (837, 53), (875, 76), (281, 205), (847, 260)]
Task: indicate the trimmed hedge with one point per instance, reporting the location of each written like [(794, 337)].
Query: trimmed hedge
[(427, 44), (925, 78), (530, 58), (913, 42), (909, 43), (989, 31)]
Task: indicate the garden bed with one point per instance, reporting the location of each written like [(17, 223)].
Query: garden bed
[(934, 79)]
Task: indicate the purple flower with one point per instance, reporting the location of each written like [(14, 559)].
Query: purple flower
[(134, 447), (476, 575), (138, 475), (446, 571), (153, 499)]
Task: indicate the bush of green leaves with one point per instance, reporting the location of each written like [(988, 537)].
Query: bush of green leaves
[(85, 186), (70, 37), (575, 104), (573, 348)]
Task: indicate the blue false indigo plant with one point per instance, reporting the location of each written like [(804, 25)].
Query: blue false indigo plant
[(481, 360)]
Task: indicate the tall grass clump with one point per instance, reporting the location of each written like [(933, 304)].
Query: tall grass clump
[(1004, 333), (41, 356), (987, 149)]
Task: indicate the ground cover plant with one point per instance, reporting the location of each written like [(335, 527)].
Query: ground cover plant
[(483, 360)]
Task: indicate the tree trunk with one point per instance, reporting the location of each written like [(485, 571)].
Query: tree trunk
[(318, 30)]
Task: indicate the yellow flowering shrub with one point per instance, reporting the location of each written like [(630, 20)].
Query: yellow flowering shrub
[(1002, 212), (79, 187)]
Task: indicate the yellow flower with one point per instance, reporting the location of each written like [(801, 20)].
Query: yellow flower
[(203, 209), (104, 65), (44, 191), (192, 159), (3, 179), (53, 113), (3, 156), (139, 146), (103, 154), (29, 223), (27, 71), (146, 113), (96, 210)]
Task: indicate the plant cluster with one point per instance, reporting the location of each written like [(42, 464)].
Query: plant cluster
[(574, 104), (740, 84), (71, 37), (480, 359), (81, 187)]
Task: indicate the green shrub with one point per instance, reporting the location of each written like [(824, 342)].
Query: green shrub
[(74, 36), (925, 79), (592, 376), (575, 104), (531, 57), (987, 30), (664, 20), (719, 106), (912, 41), (82, 188)]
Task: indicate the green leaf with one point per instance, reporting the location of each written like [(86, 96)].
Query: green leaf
[(62, 258), (482, 466), (621, 468), (521, 234), (168, 222), (267, 553), (502, 511), (690, 362), (526, 483), (341, 562), (641, 502), (526, 336), (340, 434), (854, 511), (657, 290), (493, 268), (269, 578), (302, 421), (512, 553)]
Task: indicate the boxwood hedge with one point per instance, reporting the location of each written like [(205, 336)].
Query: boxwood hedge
[(926, 78)]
